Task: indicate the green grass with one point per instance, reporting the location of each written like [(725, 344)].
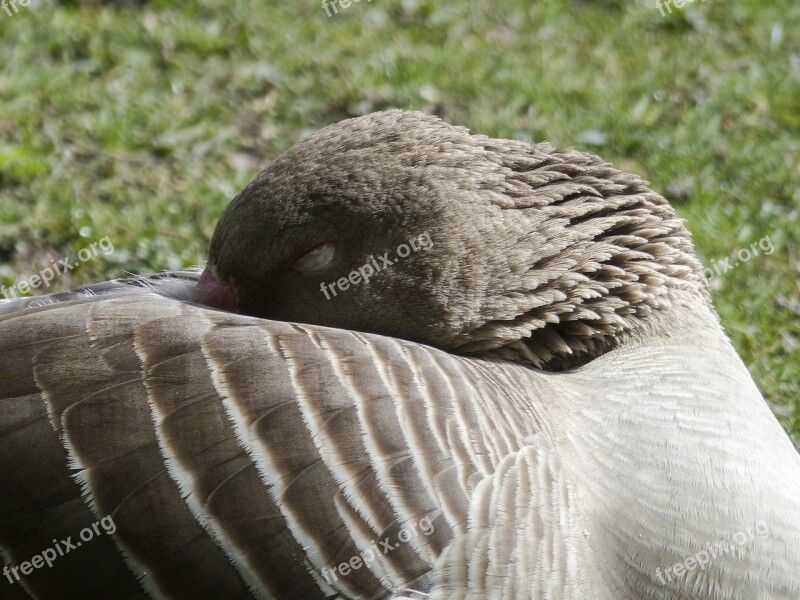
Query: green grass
[(142, 123)]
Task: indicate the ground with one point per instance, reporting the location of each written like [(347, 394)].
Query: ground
[(138, 124)]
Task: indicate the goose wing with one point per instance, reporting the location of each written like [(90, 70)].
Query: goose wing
[(189, 453)]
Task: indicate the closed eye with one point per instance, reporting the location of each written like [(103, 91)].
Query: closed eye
[(315, 259)]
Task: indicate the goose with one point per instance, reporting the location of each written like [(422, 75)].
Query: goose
[(419, 363)]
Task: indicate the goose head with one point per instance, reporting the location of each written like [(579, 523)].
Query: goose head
[(400, 224)]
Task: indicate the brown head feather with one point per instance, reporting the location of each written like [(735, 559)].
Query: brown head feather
[(547, 256)]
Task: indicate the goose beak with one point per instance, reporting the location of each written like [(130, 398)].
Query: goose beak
[(215, 293)]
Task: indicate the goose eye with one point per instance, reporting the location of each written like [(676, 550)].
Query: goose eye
[(316, 259)]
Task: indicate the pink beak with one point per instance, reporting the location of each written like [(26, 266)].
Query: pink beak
[(214, 293)]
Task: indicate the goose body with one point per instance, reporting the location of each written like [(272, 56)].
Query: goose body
[(605, 441)]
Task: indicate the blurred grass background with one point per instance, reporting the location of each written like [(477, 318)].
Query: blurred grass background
[(140, 122)]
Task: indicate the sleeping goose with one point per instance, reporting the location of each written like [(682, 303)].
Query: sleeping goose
[(418, 364)]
